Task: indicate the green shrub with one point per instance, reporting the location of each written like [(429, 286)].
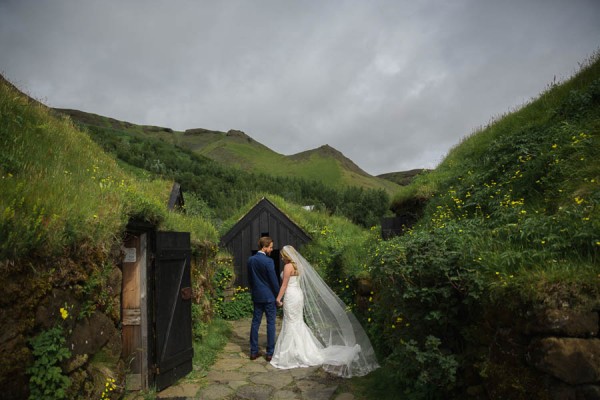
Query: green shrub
[(424, 371), (47, 380), (239, 306)]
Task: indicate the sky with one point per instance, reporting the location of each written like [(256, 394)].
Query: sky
[(393, 85)]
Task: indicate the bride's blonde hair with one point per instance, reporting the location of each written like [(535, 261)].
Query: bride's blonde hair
[(288, 258)]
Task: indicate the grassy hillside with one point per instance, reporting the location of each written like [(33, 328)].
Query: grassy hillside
[(64, 206), (59, 188), (402, 178), (510, 225), (218, 190), (234, 148)]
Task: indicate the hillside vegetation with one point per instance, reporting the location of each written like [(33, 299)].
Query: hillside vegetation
[(235, 148), (64, 207), (217, 191), (60, 189), (510, 224)]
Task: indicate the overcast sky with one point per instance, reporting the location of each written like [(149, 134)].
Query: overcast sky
[(393, 85)]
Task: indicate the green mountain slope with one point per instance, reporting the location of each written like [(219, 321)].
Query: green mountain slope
[(402, 178), (235, 148)]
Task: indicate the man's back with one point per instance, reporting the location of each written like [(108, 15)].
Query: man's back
[(264, 284)]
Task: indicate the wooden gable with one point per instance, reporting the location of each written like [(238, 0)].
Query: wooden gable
[(264, 219)]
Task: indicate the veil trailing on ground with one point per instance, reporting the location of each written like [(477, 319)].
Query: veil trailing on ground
[(347, 350)]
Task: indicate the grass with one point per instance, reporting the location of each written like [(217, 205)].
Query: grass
[(207, 349), (59, 188)]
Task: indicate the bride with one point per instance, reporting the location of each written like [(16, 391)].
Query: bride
[(331, 336)]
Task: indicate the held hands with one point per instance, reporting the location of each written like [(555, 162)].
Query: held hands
[(279, 303)]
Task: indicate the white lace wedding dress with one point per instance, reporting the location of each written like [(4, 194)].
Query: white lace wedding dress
[(296, 344), (318, 328)]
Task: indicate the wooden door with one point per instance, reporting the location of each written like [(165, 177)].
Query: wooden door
[(172, 304), (134, 311)]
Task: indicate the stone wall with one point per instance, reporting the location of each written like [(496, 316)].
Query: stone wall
[(541, 353), (565, 347)]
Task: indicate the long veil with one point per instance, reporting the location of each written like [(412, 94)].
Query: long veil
[(348, 351)]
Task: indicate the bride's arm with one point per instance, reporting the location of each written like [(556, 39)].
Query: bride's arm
[(287, 272)]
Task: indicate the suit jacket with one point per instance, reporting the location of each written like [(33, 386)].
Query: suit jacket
[(262, 278)]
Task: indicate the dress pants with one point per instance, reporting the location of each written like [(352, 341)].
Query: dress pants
[(270, 310)]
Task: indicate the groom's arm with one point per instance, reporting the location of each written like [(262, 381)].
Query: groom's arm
[(273, 281)]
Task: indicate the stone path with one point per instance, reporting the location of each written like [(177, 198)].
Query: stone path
[(234, 376)]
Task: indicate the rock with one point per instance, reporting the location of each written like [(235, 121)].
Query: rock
[(236, 133), (114, 281), (284, 395), (277, 379), (15, 356), (198, 131), (564, 322), (254, 392), (215, 392), (572, 360), (48, 312), (90, 335), (76, 362), (588, 392), (345, 396), (225, 377), (182, 391)]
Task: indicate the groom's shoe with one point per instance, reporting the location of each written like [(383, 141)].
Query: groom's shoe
[(268, 357), (255, 356)]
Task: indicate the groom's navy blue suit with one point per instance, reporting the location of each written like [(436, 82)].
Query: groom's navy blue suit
[(264, 286)]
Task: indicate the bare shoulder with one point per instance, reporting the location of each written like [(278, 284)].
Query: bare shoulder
[(289, 267)]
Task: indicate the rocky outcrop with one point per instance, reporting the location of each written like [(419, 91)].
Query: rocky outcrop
[(233, 133), (200, 131), (572, 360), (563, 323), (550, 353)]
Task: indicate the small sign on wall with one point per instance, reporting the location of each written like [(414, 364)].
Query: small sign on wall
[(130, 254)]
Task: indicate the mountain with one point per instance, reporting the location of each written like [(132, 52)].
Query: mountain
[(402, 178), (235, 148)]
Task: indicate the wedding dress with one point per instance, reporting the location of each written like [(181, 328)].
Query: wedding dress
[(318, 328)]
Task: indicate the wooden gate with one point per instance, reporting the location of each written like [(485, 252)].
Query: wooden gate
[(172, 308), (156, 307)]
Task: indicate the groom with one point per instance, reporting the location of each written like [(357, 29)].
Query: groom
[(264, 287)]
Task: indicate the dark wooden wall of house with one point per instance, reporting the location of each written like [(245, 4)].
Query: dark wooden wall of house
[(265, 218)]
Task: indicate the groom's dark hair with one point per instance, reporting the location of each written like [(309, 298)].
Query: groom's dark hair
[(264, 241)]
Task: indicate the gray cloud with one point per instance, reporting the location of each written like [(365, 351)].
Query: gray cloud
[(392, 84)]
